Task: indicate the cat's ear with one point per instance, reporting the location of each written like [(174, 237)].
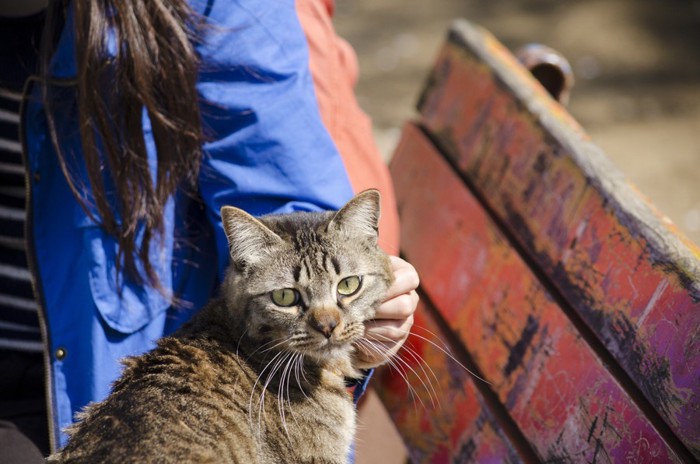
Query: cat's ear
[(249, 240), (360, 216)]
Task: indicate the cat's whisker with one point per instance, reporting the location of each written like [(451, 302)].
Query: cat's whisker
[(261, 401), (422, 365), (291, 365), (401, 366), (280, 402), (281, 387), (270, 376), (434, 397), (252, 392), (282, 341), (289, 369), (443, 350), (392, 362), (304, 346), (300, 340), (396, 367), (299, 366), (238, 344)]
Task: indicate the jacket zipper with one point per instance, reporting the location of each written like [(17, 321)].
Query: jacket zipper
[(33, 268)]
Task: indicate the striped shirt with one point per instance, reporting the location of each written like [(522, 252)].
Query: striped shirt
[(19, 324), (19, 317)]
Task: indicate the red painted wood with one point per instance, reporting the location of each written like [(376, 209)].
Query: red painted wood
[(441, 417), (624, 268), (552, 384)]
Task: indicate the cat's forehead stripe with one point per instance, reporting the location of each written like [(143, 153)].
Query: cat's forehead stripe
[(336, 264), (324, 261), (315, 262)]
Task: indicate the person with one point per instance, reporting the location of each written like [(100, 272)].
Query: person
[(124, 127)]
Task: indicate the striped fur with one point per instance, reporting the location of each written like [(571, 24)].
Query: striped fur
[(248, 381)]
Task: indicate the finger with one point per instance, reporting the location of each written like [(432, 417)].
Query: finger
[(388, 330), (405, 278), (376, 352), (399, 307)]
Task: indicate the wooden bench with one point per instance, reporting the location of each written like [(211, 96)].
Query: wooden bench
[(545, 273)]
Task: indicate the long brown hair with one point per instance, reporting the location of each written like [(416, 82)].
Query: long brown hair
[(153, 67)]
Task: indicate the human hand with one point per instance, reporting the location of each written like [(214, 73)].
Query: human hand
[(387, 332)]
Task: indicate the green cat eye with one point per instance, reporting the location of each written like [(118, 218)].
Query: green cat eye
[(349, 285), (285, 297)]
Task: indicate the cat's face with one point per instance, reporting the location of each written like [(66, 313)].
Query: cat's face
[(307, 282)]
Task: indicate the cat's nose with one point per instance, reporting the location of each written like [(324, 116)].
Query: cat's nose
[(324, 320), (325, 327)]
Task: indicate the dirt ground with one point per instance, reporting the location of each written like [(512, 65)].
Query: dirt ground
[(637, 93), (636, 63)]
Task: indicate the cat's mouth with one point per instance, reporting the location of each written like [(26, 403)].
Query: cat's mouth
[(329, 344), (331, 347), (308, 342)]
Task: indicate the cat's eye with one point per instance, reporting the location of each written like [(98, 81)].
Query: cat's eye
[(285, 297), (349, 285)]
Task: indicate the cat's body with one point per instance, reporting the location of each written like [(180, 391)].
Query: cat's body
[(192, 399), (258, 376)]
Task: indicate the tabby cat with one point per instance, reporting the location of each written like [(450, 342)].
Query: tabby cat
[(258, 376)]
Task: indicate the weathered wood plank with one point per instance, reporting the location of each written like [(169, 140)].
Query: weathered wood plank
[(553, 385), (441, 417), (624, 268)]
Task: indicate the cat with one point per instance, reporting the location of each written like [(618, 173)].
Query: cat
[(258, 375)]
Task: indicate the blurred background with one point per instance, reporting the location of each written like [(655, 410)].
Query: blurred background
[(636, 65)]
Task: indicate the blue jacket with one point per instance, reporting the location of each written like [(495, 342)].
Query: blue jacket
[(267, 151)]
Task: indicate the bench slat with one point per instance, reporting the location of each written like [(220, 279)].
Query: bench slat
[(552, 384), (625, 269)]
